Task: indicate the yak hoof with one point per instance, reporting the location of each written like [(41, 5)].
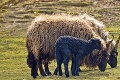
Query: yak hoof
[(73, 74), (37, 74), (102, 70), (67, 75), (60, 74), (43, 74), (80, 70), (77, 74), (55, 73), (32, 74), (34, 77), (49, 73)]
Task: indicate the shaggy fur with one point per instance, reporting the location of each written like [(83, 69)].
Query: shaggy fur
[(98, 28), (45, 30), (65, 45)]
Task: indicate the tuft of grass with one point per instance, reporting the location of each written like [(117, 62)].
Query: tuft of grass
[(113, 30)]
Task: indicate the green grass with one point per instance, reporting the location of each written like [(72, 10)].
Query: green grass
[(113, 30), (13, 63), (12, 39), (12, 58)]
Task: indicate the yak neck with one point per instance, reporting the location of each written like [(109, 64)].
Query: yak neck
[(89, 46)]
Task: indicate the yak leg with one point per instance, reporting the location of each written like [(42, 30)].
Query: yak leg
[(80, 70), (47, 68), (66, 60), (32, 64), (37, 70), (41, 68), (59, 62), (73, 66), (77, 66), (34, 70), (56, 71)]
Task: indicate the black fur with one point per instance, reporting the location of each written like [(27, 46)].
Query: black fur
[(65, 45), (103, 61), (34, 64), (113, 59)]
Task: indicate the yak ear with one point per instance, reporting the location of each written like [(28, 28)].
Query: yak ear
[(93, 40), (108, 43), (117, 42)]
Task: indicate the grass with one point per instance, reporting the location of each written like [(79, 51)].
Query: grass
[(13, 63), (12, 38), (12, 57)]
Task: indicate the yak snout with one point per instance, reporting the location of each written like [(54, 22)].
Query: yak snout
[(113, 59)]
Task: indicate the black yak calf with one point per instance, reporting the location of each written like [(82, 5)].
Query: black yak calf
[(67, 45)]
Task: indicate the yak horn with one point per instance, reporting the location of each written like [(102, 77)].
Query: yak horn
[(117, 42), (108, 44)]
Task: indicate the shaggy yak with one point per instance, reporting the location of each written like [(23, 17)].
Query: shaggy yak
[(98, 28), (43, 33), (65, 45)]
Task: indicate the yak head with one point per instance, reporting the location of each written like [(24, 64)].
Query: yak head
[(109, 57), (113, 54), (103, 60), (99, 57), (104, 57)]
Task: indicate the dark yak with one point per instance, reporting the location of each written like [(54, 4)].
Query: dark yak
[(67, 45)]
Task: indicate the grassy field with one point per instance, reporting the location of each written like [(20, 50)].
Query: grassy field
[(16, 16)]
